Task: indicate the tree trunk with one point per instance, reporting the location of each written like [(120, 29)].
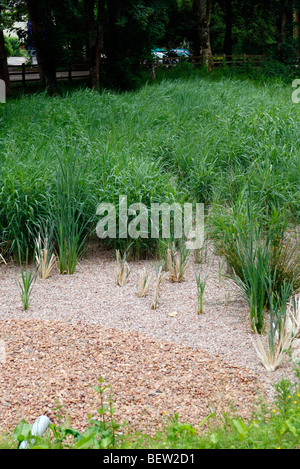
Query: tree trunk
[(283, 16), (202, 13), (228, 44), (297, 30), (42, 25), (95, 38), (114, 9), (4, 75)]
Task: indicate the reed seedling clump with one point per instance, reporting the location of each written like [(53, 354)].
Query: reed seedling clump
[(201, 284), (260, 257), (27, 281), (45, 259), (122, 270), (280, 336), (177, 262), (70, 214), (143, 284), (158, 282)]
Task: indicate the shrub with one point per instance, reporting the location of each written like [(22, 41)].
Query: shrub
[(8, 47), (12, 45)]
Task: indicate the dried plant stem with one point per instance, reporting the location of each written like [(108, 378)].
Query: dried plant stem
[(122, 270), (177, 263), (272, 358), (44, 261), (293, 317), (143, 284), (227, 297), (282, 331), (3, 260), (200, 255), (159, 277), (220, 273)]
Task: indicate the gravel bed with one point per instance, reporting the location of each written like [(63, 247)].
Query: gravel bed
[(84, 326)]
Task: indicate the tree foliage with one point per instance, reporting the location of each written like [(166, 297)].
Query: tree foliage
[(115, 35)]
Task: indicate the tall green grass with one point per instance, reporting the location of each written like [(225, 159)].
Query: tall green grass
[(70, 213), (262, 255), (194, 139)]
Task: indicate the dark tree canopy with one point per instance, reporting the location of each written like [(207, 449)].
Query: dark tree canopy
[(115, 35)]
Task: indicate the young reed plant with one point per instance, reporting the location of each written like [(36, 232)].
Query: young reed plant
[(27, 281), (253, 243), (293, 319), (45, 259), (158, 282), (70, 214), (280, 337), (143, 284), (177, 262), (122, 271), (200, 255), (201, 284), (221, 271)]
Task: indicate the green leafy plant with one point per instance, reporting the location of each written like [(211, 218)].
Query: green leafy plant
[(252, 239), (101, 433), (273, 425), (280, 338), (201, 284), (71, 222), (28, 278)]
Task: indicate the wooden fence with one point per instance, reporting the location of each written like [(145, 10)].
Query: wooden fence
[(219, 60), (30, 73)]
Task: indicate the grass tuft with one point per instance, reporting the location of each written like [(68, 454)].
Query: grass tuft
[(122, 270)]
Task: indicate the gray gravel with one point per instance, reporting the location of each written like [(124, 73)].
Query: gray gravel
[(91, 296)]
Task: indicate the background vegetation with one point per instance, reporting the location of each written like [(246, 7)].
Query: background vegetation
[(115, 36)]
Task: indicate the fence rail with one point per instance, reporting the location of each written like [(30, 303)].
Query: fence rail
[(31, 73), (219, 60)]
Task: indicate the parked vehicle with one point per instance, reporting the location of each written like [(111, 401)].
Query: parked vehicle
[(159, 54), (178, 53), (173, 54)]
